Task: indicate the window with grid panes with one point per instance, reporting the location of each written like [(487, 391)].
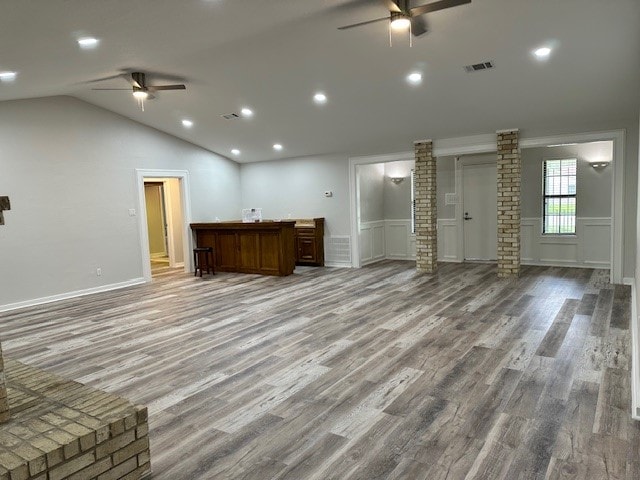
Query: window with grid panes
[(559, 192)]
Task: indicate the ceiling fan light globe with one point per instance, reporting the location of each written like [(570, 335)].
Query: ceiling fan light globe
[(400, 21), (140, 94)]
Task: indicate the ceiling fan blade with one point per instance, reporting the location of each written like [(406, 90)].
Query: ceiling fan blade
[(418, 26), (166, 87), (391, 6), (110, 77), (435, 6), (364, 23)]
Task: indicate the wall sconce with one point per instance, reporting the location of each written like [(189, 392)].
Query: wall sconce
[(397, 180), (598, 165)]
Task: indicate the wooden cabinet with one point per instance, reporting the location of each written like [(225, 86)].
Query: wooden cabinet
[(266, 248), (309, 240)]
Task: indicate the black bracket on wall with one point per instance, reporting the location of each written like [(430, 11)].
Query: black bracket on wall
[(5, 204)]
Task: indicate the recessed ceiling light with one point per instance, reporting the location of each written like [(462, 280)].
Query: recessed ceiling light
[(320, 98), (187, 123), (7, 76), (542, 52), (235, 151), (88, 42), (277, 146), (246, 112), (414, 78)]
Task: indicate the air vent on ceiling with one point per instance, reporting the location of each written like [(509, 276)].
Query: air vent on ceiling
[(479, 66), (230, 116)]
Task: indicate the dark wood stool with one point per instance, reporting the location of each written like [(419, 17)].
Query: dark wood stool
[(203, 258)]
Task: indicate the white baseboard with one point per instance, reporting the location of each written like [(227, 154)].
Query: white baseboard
[(67, 295), (628, 281), (635, 352), (561, 264), (338, 264)]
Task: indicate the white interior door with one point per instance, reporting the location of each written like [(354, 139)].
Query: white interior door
[(480, 212)]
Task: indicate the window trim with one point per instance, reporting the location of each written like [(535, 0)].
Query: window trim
[(545, 197)]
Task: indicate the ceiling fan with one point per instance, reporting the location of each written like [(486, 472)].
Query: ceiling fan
[(402, 15), (141, 91)]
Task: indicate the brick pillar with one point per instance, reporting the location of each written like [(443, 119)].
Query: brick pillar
[(426, 213), (509, 177), (4, 404)]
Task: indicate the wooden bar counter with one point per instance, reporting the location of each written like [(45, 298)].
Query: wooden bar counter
[(266, 247)]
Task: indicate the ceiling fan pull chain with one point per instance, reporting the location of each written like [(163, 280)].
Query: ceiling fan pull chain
[(390, 42), (410, 36)]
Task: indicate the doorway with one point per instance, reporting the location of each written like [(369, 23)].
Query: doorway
[(172, 210), (157, 224), (480, 211)]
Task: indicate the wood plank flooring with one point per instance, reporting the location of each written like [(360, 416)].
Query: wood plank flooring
[(375, 373)]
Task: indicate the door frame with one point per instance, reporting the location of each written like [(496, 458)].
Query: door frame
[(459, 186), (487, 143), (163, 212), (354, 220), (158, 175)]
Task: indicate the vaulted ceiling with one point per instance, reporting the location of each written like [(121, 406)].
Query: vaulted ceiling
[(273, 55)]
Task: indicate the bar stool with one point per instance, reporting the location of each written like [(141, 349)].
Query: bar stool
[(203, 258)]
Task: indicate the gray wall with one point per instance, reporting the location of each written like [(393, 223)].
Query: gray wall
[(446, 183), (397, 197), (297, 187), (370, 185), (69, 168), (593, 185), (559, 125)]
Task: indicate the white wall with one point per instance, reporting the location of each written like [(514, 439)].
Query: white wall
[(69, 169), (296, 187)]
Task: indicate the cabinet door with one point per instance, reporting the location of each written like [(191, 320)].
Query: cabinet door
[(270, 253), (225, 251), (248, 254), (307, 249)]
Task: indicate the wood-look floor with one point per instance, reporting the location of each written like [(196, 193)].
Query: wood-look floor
[(376, 373)]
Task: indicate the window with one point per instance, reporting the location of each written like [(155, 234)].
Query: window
[(413, 204), (559, 197)]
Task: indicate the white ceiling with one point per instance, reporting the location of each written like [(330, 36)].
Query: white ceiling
[(272, 55)]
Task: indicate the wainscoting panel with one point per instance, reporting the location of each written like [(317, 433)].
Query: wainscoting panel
[(448, 240), (372, 242), (596, 248), (589, 247), (400, 240), (396, 242)]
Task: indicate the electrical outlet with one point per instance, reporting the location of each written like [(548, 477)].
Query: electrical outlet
[(98, 271)]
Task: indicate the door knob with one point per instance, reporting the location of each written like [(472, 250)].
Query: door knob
[(466, 216)]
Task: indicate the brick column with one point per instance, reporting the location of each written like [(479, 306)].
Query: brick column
[(509, 177), (4, 404), (426, 213)]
